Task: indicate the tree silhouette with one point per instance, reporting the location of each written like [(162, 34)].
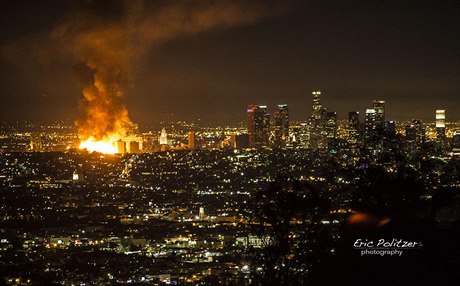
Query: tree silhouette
[(286, 217), (389, 194)]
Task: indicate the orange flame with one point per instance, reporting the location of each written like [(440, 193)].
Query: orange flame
[(106, 46), (107, 146), (103, 72)]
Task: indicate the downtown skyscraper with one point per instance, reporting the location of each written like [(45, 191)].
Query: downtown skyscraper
[(415, 134), (330, 130), (441, 126), (258, 120), (371, 126), (318, 136), (353, 131), (379, 107), (281, 125), (374, 124)]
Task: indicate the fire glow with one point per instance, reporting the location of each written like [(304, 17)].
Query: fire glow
[(103, 146), (105, 119), (105, 48)]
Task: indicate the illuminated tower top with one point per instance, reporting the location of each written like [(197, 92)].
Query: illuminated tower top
[(371, 126), (441, 125), (440, 118), (163, 137), (316, 106), (379, 107)]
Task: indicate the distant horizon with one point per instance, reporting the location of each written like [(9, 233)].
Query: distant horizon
[(210, 123), (295, 112)]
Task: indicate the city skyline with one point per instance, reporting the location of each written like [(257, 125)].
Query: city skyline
[(272, 54), (265, 128), (271, 110)]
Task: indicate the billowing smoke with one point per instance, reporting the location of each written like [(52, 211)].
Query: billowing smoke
[(107, 40)]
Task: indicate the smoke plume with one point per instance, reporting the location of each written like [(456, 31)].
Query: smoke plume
[(107, 40)]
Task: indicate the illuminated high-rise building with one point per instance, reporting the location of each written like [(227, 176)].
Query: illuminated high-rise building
[(163, 137), (415, 133), (371, 126), (300, 135), (390, 129), (330, 130), (441, 125), (316, 106), (375, 125), (353, 128), (281, 125), (318, 135), (191, 140), (379, 107), (258, 125), (330, 125)]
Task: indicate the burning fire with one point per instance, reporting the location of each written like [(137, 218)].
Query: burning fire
[(105, 119), (105, 48), (102, 146)]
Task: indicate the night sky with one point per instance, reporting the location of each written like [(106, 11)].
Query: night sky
[(405, 52)]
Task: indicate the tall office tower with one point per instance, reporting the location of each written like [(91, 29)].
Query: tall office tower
[(330, 130), (300, 136), (281, 125), (318, 134), (353, 128), (191, 140), (390, 129), (316, 106), (415, 133), (379, 107), (371, 127), (441, 126), (258, 125), (163, 137), (330, 125), (36, 143)]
